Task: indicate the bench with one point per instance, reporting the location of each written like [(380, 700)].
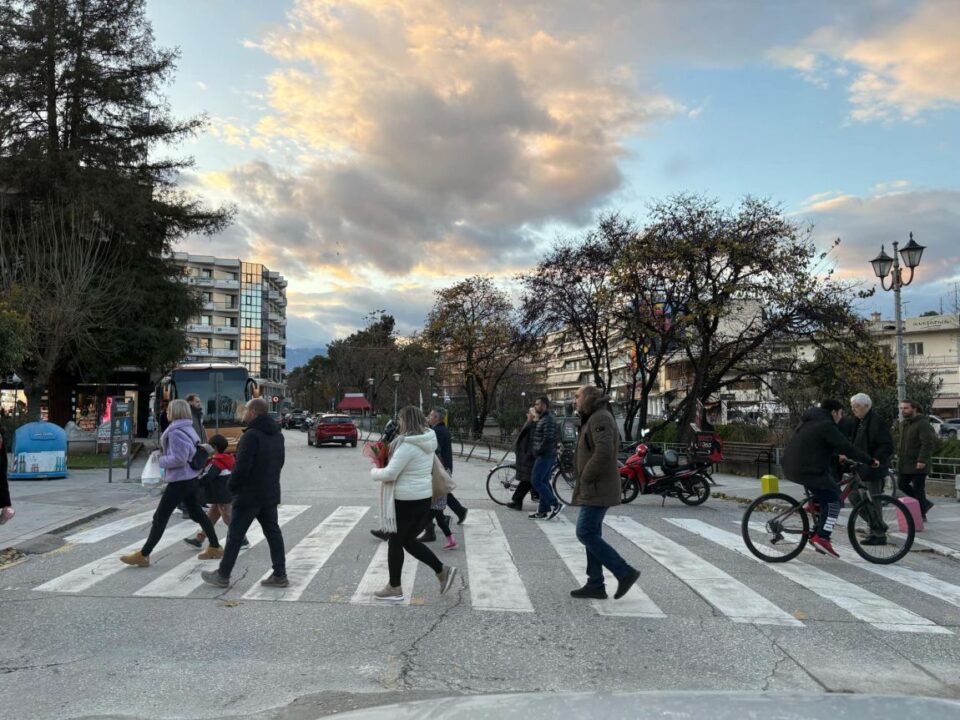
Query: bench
[(759, 453)]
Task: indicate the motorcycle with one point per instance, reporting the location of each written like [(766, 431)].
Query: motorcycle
[(647, 471)]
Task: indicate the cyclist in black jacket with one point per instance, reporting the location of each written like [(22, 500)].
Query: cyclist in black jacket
[(809, 460)]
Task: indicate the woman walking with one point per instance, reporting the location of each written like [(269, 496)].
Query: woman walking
[(525, 459), (406, 495), (177, 446)]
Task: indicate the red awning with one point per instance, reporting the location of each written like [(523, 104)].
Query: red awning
[(354, 403)]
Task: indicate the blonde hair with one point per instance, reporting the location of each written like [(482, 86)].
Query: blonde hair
[(411, 421), (179, 410)]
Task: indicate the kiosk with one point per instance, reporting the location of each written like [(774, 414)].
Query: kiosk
[(39, 452)]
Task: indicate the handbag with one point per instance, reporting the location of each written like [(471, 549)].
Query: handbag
[(198, 461), (440, 479)]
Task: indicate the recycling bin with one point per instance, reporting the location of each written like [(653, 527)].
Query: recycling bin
[(39, 452)]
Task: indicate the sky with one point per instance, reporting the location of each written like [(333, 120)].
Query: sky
[(378, 150)]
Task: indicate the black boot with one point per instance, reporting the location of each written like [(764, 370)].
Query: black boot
[(428, 535)]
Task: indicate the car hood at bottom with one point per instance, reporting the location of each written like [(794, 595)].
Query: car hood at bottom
[(673, 705)]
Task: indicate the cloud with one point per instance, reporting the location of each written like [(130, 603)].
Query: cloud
[(897, 68), (864, 223)]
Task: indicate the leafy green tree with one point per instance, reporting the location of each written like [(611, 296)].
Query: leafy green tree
[(83, 121)]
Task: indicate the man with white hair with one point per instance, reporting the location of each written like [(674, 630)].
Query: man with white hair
[(873, 437)]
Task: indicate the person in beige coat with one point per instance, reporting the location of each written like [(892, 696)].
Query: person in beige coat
[(597, 489)]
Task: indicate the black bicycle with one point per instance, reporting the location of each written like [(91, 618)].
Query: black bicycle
[(776, 526)]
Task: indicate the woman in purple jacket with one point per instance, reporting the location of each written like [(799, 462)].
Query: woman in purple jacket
[(177, 445)]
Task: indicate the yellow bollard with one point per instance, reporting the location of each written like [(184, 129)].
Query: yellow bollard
[(769, 484)]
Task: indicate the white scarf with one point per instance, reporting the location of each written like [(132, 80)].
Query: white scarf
[(388, 510)]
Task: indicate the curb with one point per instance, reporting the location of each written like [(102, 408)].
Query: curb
[(99, 512)]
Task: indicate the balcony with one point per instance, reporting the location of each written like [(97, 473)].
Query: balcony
[(199, 351), (226, 284), (199, 328), (226, 308), (224, 353), (199, 281), (276, 360), (209, 305), (225, 330), (274, 317), (275, 295), (275, 337)]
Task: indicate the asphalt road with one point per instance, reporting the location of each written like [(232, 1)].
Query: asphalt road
[(83, 636)]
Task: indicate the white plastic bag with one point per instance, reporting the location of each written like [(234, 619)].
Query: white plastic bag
[(152, 474)]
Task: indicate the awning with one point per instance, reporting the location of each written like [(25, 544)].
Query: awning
[(354, 402)]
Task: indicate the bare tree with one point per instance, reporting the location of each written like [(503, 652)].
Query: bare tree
[(52, 262)]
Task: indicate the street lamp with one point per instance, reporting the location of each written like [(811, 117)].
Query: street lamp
[(884, 266), (431, 371), (396, 388)]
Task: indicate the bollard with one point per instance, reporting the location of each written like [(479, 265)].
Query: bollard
[(769, 484)]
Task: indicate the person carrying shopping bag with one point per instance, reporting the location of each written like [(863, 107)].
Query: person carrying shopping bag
[(406, 497), (178, 445)]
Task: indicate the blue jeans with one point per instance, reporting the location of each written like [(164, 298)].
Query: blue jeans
[(599, 554), (540, 479)]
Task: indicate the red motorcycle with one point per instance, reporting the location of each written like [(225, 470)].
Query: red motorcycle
[(650, 472)]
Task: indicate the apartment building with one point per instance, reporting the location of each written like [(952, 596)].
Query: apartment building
[(243, 318)]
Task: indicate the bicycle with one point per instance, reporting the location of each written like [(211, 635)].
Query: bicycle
[(776, 527)]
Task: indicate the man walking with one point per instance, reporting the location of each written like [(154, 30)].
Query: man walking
[(918, 440), (597, 489), (545, 452), (872, 436), (255, 485), (445, 453)]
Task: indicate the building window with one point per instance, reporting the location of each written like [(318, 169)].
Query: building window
[(914, 349)]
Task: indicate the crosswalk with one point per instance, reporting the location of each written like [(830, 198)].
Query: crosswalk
[(322, 541)]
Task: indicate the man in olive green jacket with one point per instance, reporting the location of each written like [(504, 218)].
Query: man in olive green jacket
[(597, 489), (918, 440)]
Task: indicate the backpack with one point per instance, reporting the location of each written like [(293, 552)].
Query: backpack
[(198, 461)]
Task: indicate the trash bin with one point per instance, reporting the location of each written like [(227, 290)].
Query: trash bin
[(39, 452)]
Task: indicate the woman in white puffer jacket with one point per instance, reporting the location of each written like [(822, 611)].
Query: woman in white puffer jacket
[(406, 495)]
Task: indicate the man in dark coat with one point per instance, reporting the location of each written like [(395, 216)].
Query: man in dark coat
[(918, 440), (809, 459), (597, 489), (255, 485), (445, 453), (545, 454), (872, 435)]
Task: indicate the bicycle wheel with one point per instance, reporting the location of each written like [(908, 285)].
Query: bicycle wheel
[(884, 516), (629, 489), (563, 486), (775, 527), (502, 483), (694, 491)]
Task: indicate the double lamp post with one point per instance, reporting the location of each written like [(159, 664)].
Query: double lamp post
[(885, 266)]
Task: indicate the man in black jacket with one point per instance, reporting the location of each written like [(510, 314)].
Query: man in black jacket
[(255, 485), (873, 437), (445, 453), (545, 452), (808, 460)]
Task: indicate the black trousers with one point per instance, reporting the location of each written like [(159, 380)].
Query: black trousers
[(411, 517), (454, 506), (442, 520), (523, 487), (243, 517), (4, 484), (174, 493), (915, 485)]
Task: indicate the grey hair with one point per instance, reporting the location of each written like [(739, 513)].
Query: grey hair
[(862, 399)]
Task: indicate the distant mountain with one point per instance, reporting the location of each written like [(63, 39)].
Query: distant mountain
[(300, 356)]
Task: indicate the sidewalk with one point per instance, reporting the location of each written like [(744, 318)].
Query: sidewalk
[(45, 506), (943, 521)]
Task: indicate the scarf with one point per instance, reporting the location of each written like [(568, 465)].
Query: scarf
[(388, 510)]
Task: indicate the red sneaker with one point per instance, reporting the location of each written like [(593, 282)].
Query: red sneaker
[(823, 546)]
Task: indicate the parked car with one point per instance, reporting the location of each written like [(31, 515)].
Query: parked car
[(333, 429), (295, 419), (950, 428)]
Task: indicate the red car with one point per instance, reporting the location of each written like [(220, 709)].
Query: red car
[(333, 429)]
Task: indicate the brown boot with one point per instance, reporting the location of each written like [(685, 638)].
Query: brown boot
[(136, 558), (211, 553)]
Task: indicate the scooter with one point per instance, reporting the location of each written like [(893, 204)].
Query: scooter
[(648, 472)]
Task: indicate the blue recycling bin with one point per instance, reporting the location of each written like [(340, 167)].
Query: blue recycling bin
[(39, 452)]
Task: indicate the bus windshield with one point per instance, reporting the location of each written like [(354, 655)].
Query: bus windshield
[(222, 391)]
